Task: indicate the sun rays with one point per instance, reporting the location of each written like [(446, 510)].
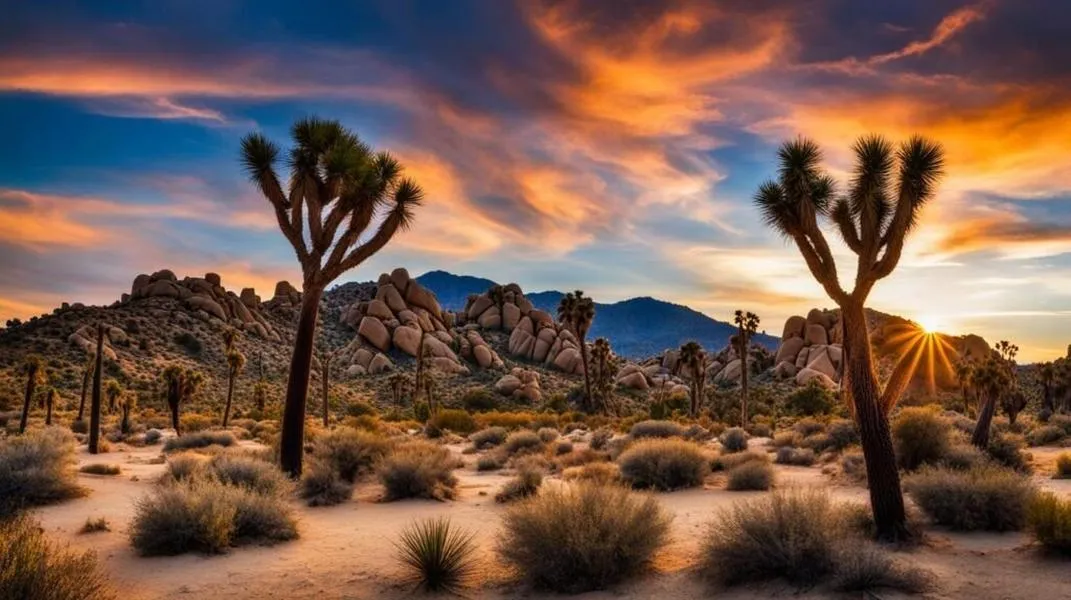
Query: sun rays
[(920, 346)]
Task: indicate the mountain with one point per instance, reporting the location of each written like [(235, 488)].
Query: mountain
[(637, 327)]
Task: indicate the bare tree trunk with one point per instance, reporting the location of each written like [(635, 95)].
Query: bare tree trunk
[(743, 381), (292, 438), (31, 384), (48, 409), (85, 389), (589, 403), (94, 407), (883, 477), (325, 375), (230, 396), (980, 437), (173, 404)]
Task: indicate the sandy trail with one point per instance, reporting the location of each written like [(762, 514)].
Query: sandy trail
[(347, 551)]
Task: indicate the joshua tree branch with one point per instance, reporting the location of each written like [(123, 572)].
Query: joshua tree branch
[(361, 253), (901, 375), (825, 274)]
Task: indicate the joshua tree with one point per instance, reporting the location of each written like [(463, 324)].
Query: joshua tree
[(576, 311), (497, 294), (127, 403), (965, 377), (991, 379), (693, 360), (331, 171), (180, 385), (1007, 350), (746, 326), (1047, 377), (34, 368), (87, 375), (260, 395), (398, 382), (95, 402), (235, 363), (880, 207), (603, 369), (326, 357), (1013, 403), (50, 400), (112, 391)]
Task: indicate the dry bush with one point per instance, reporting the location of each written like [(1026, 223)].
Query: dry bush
[(582, 537), (418, 469), (753, 475), (655, 429), (521, 442), (563, 447), (597, 472), (243, 470), (575, 458), (100, 469), (861, 567), (193, 422), (921, 437), (321, 485), (200, 439), (488, 437), (1007, 449), (963, 457), (350, 452), (437, 557), (808, 426), (517, 420), (726, 462), (184, 465), (32, 567), (1063, 466), (95, 525), (1048, 519), (1046, 435), (548, 434), (801, 457), (526, 483), (786, 439), (37, 469), (734, 440), (854, 466), (664, 464), (455, 420), (600, 438), (490, 462), (842, 433), (987, 497)]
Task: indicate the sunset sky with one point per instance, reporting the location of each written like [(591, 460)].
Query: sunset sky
[(612, 146)]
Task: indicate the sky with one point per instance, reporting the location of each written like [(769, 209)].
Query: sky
[(611, 146)]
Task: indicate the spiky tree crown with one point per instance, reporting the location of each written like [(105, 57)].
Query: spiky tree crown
[(338, 189), (879, 208)]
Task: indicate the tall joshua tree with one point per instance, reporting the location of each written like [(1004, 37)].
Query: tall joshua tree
[(326, 356), (577, 312), (235, 363), (1047, 379), (965, 377), (50, 401), (693, 360), (603, 369), (87, 376), (746, 326), (34, 368), (180, 384), (339, 189), (112, 391), (95, 401), (881, 205), (991, 379)]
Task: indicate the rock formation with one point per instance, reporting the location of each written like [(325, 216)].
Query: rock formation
[(810, 349), (521, 385)]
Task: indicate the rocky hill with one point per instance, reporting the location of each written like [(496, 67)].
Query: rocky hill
[(637, 328)]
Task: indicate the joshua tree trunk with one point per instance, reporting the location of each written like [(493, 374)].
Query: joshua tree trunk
[(588, 400), (94, 407), (31, 384), (886, 497), (85, 389), (743, 381), (124, 425), (48, 409), (292, 440), (230, 396), (980, 437), (325, 374), (173, 405)]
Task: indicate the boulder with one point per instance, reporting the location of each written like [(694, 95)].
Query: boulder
[(141, 283), (213, 279), (567, 360), (784, 370), (819, 361), (250, 298), (375, 332), (419, 296), (162, 289), (400, 279), (790, 348), (490, 319), (528, 393), (816, 335), (354, 370), (478, 306), (380, 364), (634, 380), (389, 295), (731, 372), (541, 318), (208, 305), (363, 357), (507, 385), (447, 365), (818, 317), (806, 375), (511, 316), (407, 339), (379, 310), (794, 327), (669, 360), (484, 357)]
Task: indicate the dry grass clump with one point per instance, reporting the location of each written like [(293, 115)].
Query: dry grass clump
[(418, 469), (963, 457), (800, 536), (437, 557), (1048, 519), (490, 462), (488, 437), (526, 483), (521, 442), (37, 469), (100, 469), (1046, 435), (753, 475), (808, 426), (983, 498), (800, 457), (95, 525), (548, 434), (200, 439), (244, 470), (664, 464), (921, 437), (1007, 449), (453, 419), (321, 485), (786, 439), (575, 458), (597, 472), (1063, 466), (725, 462), (600, 437), (734, 440), (350, 452), (655, 429), (33, 567), (583, 537)]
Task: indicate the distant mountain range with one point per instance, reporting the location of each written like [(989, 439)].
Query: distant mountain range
[(637, 327)]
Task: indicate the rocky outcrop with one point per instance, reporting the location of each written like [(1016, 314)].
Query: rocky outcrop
[(207, 299), (652, 375), (810, 349), (521, 385)]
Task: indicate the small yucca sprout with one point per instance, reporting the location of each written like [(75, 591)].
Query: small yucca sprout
[(437, 556)]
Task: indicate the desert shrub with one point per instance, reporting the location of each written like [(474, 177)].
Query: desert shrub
[(842, 433), (83, 426), (193, 423), (190, 343), (95, 525), (861, 567), (200, 439), (963, 457), (734, 440), (921, 437), (809, 400), (548, 434), (526, 483), (726, 462), (597, 472), (240, 469), (751, 476), (32, 567), (1063, 466), (36, 469), (437, 556), (184, 465), (1062, 421), (1007, 449), (808, 426), (656, 429), (520, 442), (452, 419), (759, 429), (854, 465), (489, 462), (987, 497), (488, 437), (100, 469), (664, 464), (321, 485), (575, 458), (360, 408), (785, 439), (1047, 434), (479, 400), (204, 515), (818, 442), (801, 457), (563, 447), (583, 537), (350, 452), (600, 438), (153, 436), (418, 469), (1048, 519)]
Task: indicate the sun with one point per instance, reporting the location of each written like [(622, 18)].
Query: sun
[(929, 323)]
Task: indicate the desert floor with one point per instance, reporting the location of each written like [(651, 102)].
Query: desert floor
[(347, 551)]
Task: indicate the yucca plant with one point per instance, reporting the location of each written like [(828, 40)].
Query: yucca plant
[(34, 367), (437, 556), (577, 311), (747, 324)]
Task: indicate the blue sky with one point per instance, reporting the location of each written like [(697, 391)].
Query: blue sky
[(610, 146)]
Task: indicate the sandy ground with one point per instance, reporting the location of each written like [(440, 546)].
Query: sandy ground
[(347, 551)]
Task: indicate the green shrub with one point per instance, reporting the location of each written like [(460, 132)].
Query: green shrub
[(479, 400), (809, 400), (842, 434), (584, 537), (987, 497), (664, 464), (801, 457), (1063, 466), (734, 440), (350, 452), (963, 457), (437, 557), (100, 469), (321, 485), (1049, 520), (32, 567), (522, 442), (359, 408), (921, 437), (1007, 449), (418, 469), (808, 426), (1046, 435), (37, 468), (200, 439), (244, 470), (488, 437), (455, 420), (786, 439), (525, 484), (752, 475), (656, 429)]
